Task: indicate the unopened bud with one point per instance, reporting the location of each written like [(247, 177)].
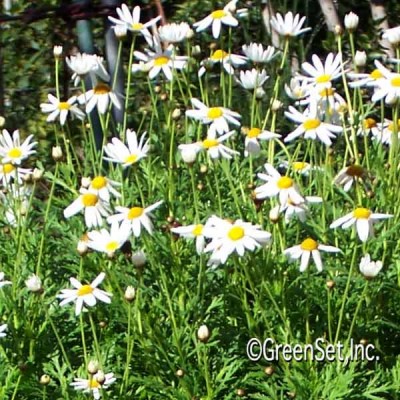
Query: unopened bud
[(360, 58), (100, 377), (203, 333), (120, 31), (180, 373), (37, 174), (93, 367), (203, 168), (85, 182), (351, 21), (241, 392), (44, 379), (176, 113), (57, 51), (189, 34), (338, 30), (274, 214), (276, 105), (2, 121), (269, 370), (130, 293), (57, 153), (82, 245), (34, 284), (138, 259), (196, 50), (330, 284)]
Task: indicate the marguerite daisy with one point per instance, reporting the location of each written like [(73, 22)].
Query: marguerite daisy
[(257, 54), (252, 79), (194, 231), (388, 87), (214, 146), (99, 96), (3, 328), (103, 187), (370, 269), (94, 383), (348, 175), (288, 26), (11, 149), (61, 109), (253, 136), (227, 60), (10, 172)]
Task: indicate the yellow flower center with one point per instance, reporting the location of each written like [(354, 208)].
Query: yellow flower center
[(89, 200), (218, 14), (253, 132), (299, 165), (137, 27), (369, 123), (14, 153), (361, 213), (355, 170), (310, 124), (376, 74), (135, 212), (219, 55), (326, 92), (309, 245), (208, 143), (7, 168), (63, 105), (236, 233), (101, 88), (131, 159), (112, 246), (323, 78), (395, 81), (197, 230), (93, 384), (84, 290), (160, 61), (391, 126), (99, 182), (214, 113), (285, 182)]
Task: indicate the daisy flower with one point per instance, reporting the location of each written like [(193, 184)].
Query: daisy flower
[(370, 269), (174, 33), (87, 294), (227, 60), (132, 219), (288, 26), (108, 241), (386, 131), (365, 79), (9, 172), (61, 109), (369, 125), (311, 127), (216, 117), (11, 149), (297, 89), (298, 210), (132, 22), (216, 19), (363, 219), (392, 35), (194, 231), (301, 167), (228, 238), (189, 152), (256, 53), (3, 328), (349, 175), (388, 87), (253, 136), (99, 96), (160, 60), (128, 154), (92, 385), (103, 188), (82, 64), (278, 185), (253, 79), (214, 146), (309, 247), (2, 282), (93, 207)]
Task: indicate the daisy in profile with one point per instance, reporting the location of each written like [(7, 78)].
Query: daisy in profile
[(349, 175), (195, 231), (253, 137), (108, 241), (217, 117), (233, 237), (134, 218), (216, 19), (87, 294), (278, 185), (307, 248), (227, 60), (11, 149), (10, 172), (365, 79), (256, 53), (363, 219), (289, 25), (174, 33), (299, 210), (388, 87), (61, 109), (132, 22), (128, 154), (301, 167), (103, 188), (93, 207), (297, 89), (370, 269), (369, 126), (215, 147), (83, 64), (385, 132), (252, 79), (311, 127), (100, 96), (3, 329), (93, 385)]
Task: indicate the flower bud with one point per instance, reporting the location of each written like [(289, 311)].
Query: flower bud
[(189, 34), (85, 182), (196, 50), (57, 153), (82, 246), (274, 214), (57, 51), (330, 284), (93, 367), (2, 121), (368, 268), (351, 21), (176, 113), (188, 154), (360, 59), (260, 93), (120, 31), (130, 293), (203, 333), (34, 284), (44, 379), (338, 30), (100, 377), (276, 105), (180, 373), (37, 174), (138, 259), (203, 168)]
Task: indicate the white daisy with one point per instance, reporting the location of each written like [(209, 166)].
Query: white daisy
[(132, 22), (3, 328), (87, 294), (392, 35), (108, 241), (252, 79), (363, 218), (278, 185), (10, 172), (365, 79), (214, 146), (257, 54), (309, 247), (301, 167), (230, 237), (132, 219), (11, 149), (289, 25), (94, 208), (128, 154), (174, 33), (92, 385), (2, 282), (253, 136), (61, 109), (388, 87), (227, 60), (311, 127), (194, 231), (348, 175), (369, 125), (216, 117), (297, 88), (370, 269), (99, 96), (216, 19), (83, 64), (298, 210), (103, 188)]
